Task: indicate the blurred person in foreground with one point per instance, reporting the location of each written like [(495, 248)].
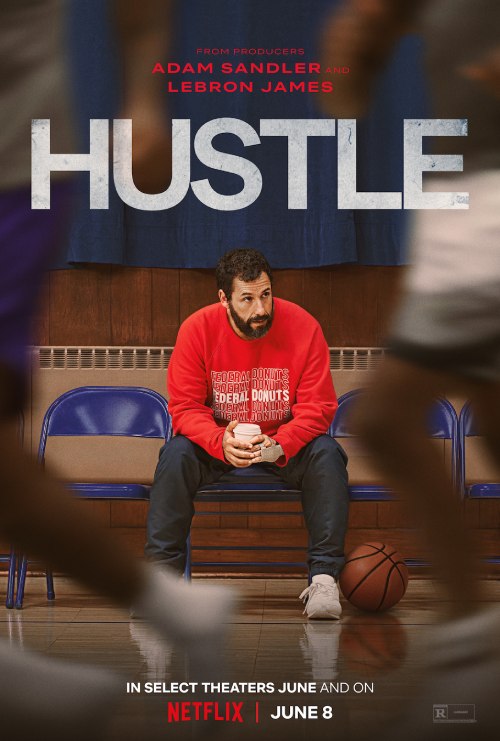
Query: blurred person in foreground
[(42, 698), (446, 332)]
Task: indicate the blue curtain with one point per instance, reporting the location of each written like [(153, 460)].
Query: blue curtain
[(194, 236)]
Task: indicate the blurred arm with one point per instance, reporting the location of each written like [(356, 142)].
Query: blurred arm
[(144, 30), (361, 35)]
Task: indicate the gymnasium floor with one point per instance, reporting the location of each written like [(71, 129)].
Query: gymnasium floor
[(270, 641)]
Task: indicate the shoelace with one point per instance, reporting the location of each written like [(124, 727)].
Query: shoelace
[(315, 587)]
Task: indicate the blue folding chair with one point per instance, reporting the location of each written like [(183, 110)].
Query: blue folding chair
[(11, 559), (442, 424), (467, 428), (124, 411)]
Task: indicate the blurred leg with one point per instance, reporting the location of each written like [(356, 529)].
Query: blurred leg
[(36, 513), (392, 420)]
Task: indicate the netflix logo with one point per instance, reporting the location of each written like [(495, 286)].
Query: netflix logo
[(229, 712)]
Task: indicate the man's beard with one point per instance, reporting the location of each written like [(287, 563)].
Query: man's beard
[(245, 326)]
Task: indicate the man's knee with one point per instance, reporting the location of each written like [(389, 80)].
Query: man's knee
[(177, 454), (179, 445), (327, 448)]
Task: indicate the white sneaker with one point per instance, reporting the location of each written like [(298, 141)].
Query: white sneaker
[(322, 599)]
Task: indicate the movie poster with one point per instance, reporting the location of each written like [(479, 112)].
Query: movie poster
[(200, 127)]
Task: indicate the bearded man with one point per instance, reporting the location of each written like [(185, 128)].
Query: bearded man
[(251, 358)]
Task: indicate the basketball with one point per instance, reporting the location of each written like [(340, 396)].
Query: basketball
[(374, 577)]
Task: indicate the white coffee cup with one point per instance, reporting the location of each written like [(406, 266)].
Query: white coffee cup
[(245, 431)]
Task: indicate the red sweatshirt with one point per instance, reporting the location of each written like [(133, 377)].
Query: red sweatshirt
[(281, 381)]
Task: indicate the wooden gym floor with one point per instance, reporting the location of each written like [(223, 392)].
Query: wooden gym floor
[(270, 641)]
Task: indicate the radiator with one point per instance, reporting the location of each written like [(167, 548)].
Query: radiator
[(147, 358)]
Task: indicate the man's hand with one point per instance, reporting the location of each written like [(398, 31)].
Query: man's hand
[(265, 449), (258, 442), (237, 452)]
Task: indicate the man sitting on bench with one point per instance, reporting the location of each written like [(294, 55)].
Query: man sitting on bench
[(251, 358)]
